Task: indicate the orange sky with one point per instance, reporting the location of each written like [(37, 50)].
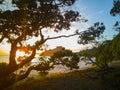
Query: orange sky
[(3, 52)]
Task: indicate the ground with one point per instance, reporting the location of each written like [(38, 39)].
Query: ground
[(76, 80), (86, 79)]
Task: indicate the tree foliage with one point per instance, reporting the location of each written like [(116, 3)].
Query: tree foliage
[(116, 8), (115, 11), (115, 47), (94, 32), (104, 54), (66, 58)]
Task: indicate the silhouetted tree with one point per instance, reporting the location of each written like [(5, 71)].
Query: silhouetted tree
[(92, 34), (66, 58), (30, 18), (115, 11), (116, 8)]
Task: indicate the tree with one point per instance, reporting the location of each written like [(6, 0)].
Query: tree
[(104, 54), (109, 49), (66, 58), (29, 19), (116, 47), (116, 8)]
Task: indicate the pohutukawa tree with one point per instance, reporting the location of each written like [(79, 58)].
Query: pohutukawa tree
[(30, 18)]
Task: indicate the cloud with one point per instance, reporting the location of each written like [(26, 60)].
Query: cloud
[(101, 12)]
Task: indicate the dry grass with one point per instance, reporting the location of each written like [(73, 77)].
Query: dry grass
[(87, 79), (76, 80)]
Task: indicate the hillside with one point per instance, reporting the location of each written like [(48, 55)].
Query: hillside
[(52, 51)]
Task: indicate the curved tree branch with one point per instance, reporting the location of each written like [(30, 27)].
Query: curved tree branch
[(66, 36), (28, 59), (38, 68), (94, 63), (26, 74), (38, 43)]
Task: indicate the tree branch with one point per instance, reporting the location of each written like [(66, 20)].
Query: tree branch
[(38, 68), (28, 59), (94, 63), (38, 43), (26, 74), (1, 39), (41, 35), (8, 37), (66, 36)]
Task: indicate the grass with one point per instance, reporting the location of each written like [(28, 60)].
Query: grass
[(87, 79), (112, 79), (76, 80)]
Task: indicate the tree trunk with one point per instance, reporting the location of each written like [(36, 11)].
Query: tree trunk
[(25, 75), (12, 62)]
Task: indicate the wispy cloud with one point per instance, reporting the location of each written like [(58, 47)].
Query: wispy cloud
[(101, 12)]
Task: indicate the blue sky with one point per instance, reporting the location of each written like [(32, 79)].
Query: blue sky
[(98, 10), (94, 11)]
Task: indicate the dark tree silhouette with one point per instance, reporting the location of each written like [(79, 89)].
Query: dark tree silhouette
[(114, 12), (116, 8), (63, 57), (66, 58), (30, 18)]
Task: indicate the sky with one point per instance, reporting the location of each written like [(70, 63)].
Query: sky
[(99, 10), (93, 10)]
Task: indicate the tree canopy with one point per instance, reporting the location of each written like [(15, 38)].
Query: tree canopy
[(29, 20)]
